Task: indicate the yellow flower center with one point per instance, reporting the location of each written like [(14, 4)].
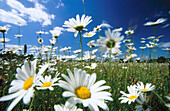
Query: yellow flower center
[(82, 92), (47, 84), (110, 43), (131, 56), (91, 67), (11, 50), (28, 83), (132, 97), (115, 53), (89, 35), (79, 27), (55, 36), (144, 90)]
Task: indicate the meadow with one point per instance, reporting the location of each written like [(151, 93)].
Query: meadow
[(118, 78), (106, 76)]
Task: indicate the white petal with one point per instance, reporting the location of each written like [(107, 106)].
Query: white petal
[(15, 101), (11, 96), (68, 94), (92, 79)]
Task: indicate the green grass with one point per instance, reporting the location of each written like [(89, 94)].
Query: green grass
[(118, 79)]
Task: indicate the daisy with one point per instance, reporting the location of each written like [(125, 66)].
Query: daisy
[(151, 37), (77, 25), (128, 32), (159, 21), (118, 30), (142, 48), (4, 28), (89, 34), (131, 97), (143, 101), (91, 43), (77, 51), (6, 40), (110, 42), (40, 41), (149, 46), (65, 108), (98, 28), (81, 88), (93, 66), (143, 38), (56, 32), (148, 87), (126, 40), (46, 82), (23, 86), (142, 41), (40, 32), (18, 36), (52, 41), (131, 48)]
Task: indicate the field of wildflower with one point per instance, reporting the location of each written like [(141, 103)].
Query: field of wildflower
[(104, 78)]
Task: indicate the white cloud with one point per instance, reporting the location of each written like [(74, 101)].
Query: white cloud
[(60, 4), (164, 44), (21, 13), (11, 17)]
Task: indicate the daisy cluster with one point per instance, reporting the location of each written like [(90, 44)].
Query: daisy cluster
[(79, 86), (137, 93)]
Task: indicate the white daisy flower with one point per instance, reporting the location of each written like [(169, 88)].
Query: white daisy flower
[(149, 46), (4, 28), (6, 40), (56, 32), (118, 30), (23, 86), (126, 40), (77, 51), (77, 25), (40, 32), (110, 42), (89, 34), (142, 41), (151, 37), (131, 97), (92, 43), (128, 32), (65, 108), (47, 82), (52, 41), (148, 87), (81, 88), (143, 38), (18, 36), (131, 48), (143, 103), (98, 28), (40, 41), (93, 66), (159, 21)]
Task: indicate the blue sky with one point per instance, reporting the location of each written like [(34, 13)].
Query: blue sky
[(36, 15)]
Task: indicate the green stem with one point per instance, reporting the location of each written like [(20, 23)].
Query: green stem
[(159, 97), (110, 61), (3, 41), (50, 52), (81, 48), (32, 102), (48, 99)]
